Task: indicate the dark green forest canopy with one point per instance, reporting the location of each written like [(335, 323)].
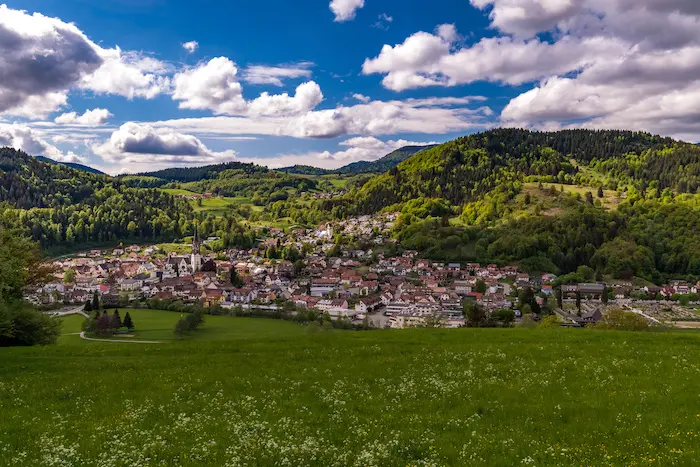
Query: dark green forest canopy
[(470, 167)]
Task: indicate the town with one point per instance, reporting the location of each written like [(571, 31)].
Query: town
[(375, 285)]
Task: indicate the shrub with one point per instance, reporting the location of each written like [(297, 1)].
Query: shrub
[(618, 319)]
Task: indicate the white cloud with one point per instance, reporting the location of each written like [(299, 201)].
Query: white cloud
[(345, 10), (362, 98), (383, 21), (44, 58), (190, 46), (128, 74), (41, 58), (358, 149), (307, 97), (425, 116), (599, 63), (94, 117), (135, 143), (261, 74), (212, 85), (22, 137)]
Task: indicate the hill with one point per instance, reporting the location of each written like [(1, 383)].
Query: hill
[(59, 206), (72, 165), (498, 397), (387, 162), (620, 202), (305, 170)]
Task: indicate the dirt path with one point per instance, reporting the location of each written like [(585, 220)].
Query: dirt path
[(82, 336)]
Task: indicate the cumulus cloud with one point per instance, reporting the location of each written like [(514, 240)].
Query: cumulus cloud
[(135, 143), (261, 74), (190, 46), (214, 86), (22, 137), (345, 10), (425, 116), (307, 97), (40, 57), (43, 58), (128, 74), (357, 149), (92, 117), (362, 98), (592, 63)]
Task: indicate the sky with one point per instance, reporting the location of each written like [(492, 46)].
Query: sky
[(139, 85)]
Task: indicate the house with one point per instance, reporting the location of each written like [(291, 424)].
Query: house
[(368, 304), (131, 285), (591, 317), (321, 287)]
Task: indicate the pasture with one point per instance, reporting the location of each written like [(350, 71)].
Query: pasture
[(272, 394)]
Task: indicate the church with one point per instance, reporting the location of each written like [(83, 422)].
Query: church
[(181, 266)]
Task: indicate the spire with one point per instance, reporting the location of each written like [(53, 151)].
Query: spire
[(195, 242)]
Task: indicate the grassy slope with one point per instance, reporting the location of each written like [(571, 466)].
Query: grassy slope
[(417, 397), (159, 325)]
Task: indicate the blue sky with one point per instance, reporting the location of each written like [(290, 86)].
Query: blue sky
[(374, 75)]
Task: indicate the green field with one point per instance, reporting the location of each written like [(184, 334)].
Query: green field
[(158, 325), (272, 394)]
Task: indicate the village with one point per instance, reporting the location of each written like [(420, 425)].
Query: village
[(357, 285)]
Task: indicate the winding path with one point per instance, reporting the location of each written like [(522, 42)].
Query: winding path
[(79, 311), (82, 336)]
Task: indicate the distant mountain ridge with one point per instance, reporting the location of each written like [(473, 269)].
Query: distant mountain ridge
[(72, 165), (387, 162)]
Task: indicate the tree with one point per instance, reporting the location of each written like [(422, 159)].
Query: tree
[(128, 322), (506, 316), (88, 306), (235, 278), (116, 320), (578, 302), (604, 297), (480, 286), (550, 321), (474, 315), (69, 276), (559, 297), (20, 266), (95, 301)]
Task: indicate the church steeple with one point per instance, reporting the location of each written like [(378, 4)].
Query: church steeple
[(196, 244), (196, 260)]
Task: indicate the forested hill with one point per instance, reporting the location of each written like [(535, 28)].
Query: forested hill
[(60, 206), (468, 168), (72, 165), (387, 162), (207, 172)]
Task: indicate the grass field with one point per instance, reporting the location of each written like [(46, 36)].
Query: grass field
[(383, 398), (608, 201), (158, 325)]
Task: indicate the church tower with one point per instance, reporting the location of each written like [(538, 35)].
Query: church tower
[(196, 255)]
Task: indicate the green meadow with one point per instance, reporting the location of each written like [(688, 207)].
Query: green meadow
[(264, 392)]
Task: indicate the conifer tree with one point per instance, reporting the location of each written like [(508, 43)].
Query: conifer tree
[(128, 322)]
